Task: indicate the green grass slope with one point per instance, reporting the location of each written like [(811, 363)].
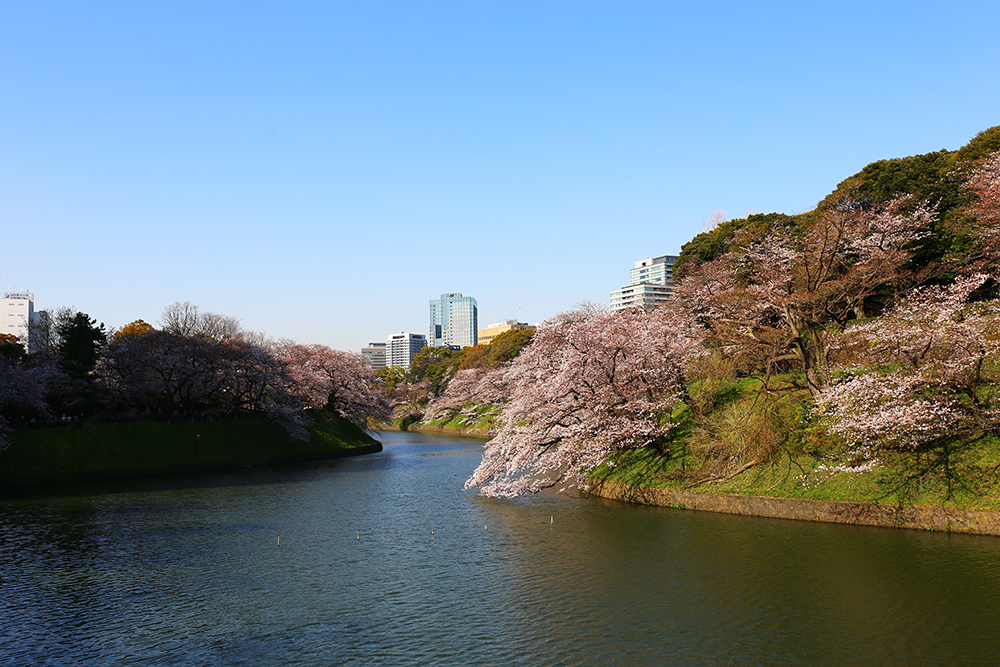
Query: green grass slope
[(750, 446), (95, 450)]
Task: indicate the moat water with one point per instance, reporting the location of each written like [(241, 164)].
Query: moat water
[(386, 560)]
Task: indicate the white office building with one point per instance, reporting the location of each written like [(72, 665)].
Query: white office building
[(649, 285), (400, 348), (16, 312), (639, 296)]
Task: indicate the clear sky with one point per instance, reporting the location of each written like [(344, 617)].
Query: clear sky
[(322, 170)]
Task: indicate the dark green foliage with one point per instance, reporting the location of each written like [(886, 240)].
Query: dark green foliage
[(11, 350), (409, 420), (937, 178), (984, 143), (929, 178), (437, 364), (391, 376), (506, 346), (923, 176), (81, 345), (711, 244), (501, 349)]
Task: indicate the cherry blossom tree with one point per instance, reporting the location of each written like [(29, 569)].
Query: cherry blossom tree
[(590, 384), (157, 373), (984, 184), (772, 301), (22, 396), (926, 375), (984, 181), (462, 392), (923, 376), (330, 379)]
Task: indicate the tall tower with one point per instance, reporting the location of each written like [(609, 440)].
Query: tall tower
[(454, 320)]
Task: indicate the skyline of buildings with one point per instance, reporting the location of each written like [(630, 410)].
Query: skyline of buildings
[(453, 317)]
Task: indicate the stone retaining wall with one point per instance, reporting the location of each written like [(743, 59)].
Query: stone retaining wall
[(831, 511)]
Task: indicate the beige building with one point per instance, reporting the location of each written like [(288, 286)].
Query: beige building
[(487, 335)]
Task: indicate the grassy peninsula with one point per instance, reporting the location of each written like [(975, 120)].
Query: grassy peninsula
[(93, 450)]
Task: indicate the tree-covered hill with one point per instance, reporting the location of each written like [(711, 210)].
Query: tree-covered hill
[(935, 178), (850, 352)]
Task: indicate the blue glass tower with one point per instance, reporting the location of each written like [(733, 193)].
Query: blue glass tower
[(454, 320)]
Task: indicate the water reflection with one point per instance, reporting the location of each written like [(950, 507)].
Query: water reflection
[(386, 560)]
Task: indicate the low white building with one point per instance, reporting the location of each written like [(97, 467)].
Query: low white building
[(639, 296)]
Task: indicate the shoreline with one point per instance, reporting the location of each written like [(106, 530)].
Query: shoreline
[(446, 430), (72, 478), (913, 517)]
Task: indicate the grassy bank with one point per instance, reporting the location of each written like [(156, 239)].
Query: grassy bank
[(900, 480), (94, 450), (477, 425), (756, 443), (446, 430)]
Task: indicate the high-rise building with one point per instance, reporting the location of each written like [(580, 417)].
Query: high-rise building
[(650, 284), (454, 321), (400, 348), (487, 335), (17, 310), (374, 354)]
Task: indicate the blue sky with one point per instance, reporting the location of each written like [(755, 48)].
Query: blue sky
[(321, 170)]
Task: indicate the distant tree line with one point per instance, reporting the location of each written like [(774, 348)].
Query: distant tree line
[(195, 365), (434, 368)]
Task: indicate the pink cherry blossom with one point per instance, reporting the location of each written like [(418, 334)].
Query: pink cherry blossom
[(591, 383)]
